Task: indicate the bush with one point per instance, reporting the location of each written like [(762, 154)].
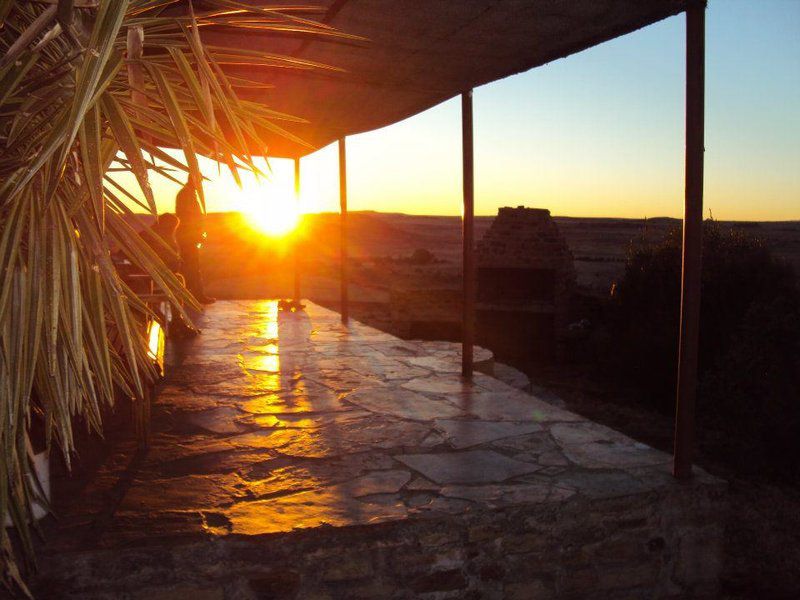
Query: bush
[(421, 256), (749, 353)]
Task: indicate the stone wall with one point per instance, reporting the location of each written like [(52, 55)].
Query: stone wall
[(436, 310), (658, 545)]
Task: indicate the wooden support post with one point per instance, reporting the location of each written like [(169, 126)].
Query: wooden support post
[(468, 237), (692, 241), (345, 309), (297, 232)]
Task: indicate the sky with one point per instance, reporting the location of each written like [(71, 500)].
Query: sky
[(597, 134)]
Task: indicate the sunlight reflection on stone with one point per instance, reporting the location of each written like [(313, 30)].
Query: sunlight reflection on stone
[(264, 358), (271, 321), (298, 399), (272, 382), (270, 363), (265, 320)]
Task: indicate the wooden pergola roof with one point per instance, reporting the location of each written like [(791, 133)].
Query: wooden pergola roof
[(418, 54)]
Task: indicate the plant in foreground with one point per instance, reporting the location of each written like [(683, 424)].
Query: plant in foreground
[(88, 87)]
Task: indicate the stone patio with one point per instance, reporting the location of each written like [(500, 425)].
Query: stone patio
[(292, 457)]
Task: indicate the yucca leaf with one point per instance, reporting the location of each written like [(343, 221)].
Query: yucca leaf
[(28, 35), (192, 83), (72, 332), (129, 145), (180, 127), (89, 140), (14, 76), (89, 79)]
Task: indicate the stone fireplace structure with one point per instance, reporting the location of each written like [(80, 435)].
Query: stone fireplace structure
[(526, 278)]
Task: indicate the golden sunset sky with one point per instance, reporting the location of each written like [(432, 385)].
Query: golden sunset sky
[(597, 134)]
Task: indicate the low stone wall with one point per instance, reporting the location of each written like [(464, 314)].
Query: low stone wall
[(418, 309), (653, 545)]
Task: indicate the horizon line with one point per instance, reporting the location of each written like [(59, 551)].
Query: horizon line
[(457, 216)]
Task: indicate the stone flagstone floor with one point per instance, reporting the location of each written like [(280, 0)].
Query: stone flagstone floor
[(271, 422)]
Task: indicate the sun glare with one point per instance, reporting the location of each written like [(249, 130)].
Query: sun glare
[(274, 214)]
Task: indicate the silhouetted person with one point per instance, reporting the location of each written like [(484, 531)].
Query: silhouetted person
[(190, 235), (165, 228)]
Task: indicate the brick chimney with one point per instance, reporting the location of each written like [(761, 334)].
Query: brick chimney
[(526, 278)]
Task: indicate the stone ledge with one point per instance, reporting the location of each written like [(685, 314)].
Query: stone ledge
[(646, 544)]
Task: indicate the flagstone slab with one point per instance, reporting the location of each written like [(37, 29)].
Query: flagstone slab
[(536, 443), (466, 433), (211, 463), (217, 420), (511, 376), (332, 507), (614, 455), (379, 434), (439, 384), (208, 372), (569, 434), (246, 385), (513, 405), (344, 379), (377, 482), (301, 399), (436, 363), (174, 398), (306, 420), (602, 485), (497, 496), (278, 475), (392, 370), (394, 347), (472, 466), (594, 446), (552, 458), (423, 485), (402, 403), (191, 492)]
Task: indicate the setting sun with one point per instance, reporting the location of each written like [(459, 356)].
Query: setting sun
[(274, 214)]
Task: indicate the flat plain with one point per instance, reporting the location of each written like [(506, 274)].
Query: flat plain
[(240, 263)]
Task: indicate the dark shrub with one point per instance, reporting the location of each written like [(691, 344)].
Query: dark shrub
[(749, 336), (421, 256)]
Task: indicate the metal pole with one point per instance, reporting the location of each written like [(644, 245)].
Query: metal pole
[(345, 309), (692, 241), (297, 232), (468, 237)]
